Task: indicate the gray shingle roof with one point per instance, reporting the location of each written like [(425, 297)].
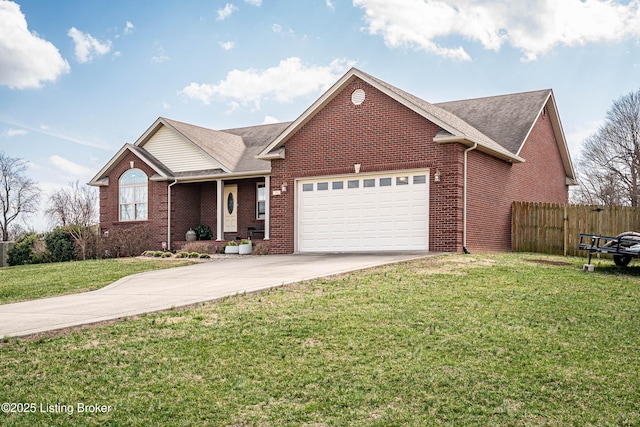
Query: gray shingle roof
[(444, 115), (506, 119), (256, 138), (235, 149)]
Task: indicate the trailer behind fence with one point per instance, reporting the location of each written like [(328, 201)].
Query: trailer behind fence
[(555, 228)]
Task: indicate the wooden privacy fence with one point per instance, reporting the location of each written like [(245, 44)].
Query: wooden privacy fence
[(554, 228)]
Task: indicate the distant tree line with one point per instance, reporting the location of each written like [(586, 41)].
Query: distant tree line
[(73, 214), (609, 166)]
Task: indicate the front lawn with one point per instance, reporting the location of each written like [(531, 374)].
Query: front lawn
[(27, 282), (522, 340)]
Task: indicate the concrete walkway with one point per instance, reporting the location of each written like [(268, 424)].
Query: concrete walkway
[(181, 286)]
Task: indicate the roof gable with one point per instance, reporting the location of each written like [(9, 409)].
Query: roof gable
[(101, 178), (507, 119), (455, 129), (165, 141)]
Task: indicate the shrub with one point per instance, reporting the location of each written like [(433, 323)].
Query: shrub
[(183, 254), (60, 244), (261, 248), (203, 232), (194, 255), (158, 254), (22, 252), (126, 241), (200, 247), (205, 256)]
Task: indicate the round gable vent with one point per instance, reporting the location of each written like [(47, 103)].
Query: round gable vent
[(357, 97)]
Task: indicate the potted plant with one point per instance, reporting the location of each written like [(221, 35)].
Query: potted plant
[(231, 248), (245, 247)]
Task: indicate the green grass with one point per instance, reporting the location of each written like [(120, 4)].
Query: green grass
[(507, 340), (22, 283)]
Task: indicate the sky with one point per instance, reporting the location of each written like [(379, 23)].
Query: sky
[(79, 79)]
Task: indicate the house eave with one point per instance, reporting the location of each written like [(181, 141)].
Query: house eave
[(224, 176), (470, 142), (104, 182), (274, 155)]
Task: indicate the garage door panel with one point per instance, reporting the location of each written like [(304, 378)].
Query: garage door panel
[(364, 213)]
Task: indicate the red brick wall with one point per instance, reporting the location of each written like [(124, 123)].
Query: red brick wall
[(157, 202), (494, 184), (380, 134), (191, 205), (185, 209)]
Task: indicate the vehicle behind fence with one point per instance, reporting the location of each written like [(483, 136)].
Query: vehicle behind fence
[(554, 228)]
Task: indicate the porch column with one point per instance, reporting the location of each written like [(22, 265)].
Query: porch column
[(267, 206), (220, 196)]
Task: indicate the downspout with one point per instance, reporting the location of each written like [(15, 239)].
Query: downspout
[(464, 200), (175, 181)]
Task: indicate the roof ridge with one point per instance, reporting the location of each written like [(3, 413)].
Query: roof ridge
[(495, 96)]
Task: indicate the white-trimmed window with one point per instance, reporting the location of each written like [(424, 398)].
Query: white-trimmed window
[(133, 195), (261, 200)]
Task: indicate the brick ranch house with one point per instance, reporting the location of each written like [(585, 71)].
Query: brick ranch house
[(367, 167)]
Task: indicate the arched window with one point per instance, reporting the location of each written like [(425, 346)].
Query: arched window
[(133, 195)]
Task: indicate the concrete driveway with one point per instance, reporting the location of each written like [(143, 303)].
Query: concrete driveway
[(176, 287)]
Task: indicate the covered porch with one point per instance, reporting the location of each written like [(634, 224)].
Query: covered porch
[(233, 209)]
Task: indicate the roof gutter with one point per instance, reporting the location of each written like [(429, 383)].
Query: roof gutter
[(214, 177), (471, 142), (464, 198)]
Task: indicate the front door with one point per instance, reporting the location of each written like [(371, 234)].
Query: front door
[(230, 208)]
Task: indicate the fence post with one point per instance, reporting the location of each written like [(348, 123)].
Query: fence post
[(565, 226)]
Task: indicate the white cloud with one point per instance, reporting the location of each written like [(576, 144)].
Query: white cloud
[(46, 130), (276, 28), (128, 28), (70, 168), (87, 47), (288, 80), (11, 132), (330, 5), (254, 2), (535, 27), (226, 11), (160, 56), (270, 120), (227, 45), (26, 60)]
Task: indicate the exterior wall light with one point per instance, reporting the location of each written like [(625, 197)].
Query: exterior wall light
[(284, 187), (436, 176)]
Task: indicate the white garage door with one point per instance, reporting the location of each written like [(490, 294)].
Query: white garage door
[(364, 213)]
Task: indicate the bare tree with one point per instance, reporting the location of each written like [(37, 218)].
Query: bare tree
[(76, 209), (19, 195), (610, 162)]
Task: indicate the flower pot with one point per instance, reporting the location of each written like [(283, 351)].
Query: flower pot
[(245, 249), (231, 249), (191, 236)]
